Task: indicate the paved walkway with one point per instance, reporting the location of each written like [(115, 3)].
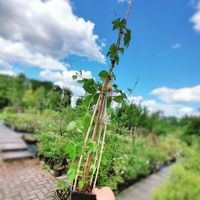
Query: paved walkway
[(21, 179), (143, 190), (25, 180), (11, 145)]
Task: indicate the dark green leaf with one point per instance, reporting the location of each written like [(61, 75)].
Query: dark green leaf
[(118, 23), (121, 50), (74, 77), (109, 100), (113, 53), (103, 74), (127, 37), (89, 86)]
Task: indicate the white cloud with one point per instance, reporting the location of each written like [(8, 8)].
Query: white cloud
[(40, 33), (48, 27), (135, 99), (195, 19), (169, 95), (169, 109), (64, 79), (6, 69), (11, 51), (73, 101), (176, 46), (186, 110)]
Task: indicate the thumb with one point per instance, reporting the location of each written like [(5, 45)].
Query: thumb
[(96, 191)]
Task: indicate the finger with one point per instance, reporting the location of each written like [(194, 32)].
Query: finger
[(106, 189), (96, 191)]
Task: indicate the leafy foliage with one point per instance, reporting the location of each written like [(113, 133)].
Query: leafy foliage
[(184, 181), (22, 93)]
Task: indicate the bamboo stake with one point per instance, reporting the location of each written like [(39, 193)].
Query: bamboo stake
[(101, 153), (98, 143), (85, 142)]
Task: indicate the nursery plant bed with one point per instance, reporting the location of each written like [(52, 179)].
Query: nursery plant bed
[(130, 182)]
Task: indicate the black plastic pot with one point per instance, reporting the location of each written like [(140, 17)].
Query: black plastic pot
[(82, 196), (58, 171)]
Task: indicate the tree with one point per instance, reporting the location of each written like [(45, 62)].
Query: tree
[(40, 98), (17, 90)]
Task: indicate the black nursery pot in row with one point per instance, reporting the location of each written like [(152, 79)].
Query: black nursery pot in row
[(82, 196)]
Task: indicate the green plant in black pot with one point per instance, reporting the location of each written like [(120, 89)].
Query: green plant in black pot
[(96, 118)]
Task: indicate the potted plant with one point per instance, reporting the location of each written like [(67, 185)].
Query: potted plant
[(58, 170), (84, 173)]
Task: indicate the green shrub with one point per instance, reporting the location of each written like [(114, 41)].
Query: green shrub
[(182, 185), (193, 127), (128, 158), (21, 122), (184, 181)]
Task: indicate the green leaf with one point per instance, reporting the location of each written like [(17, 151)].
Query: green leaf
[(92, 146), (127, 37), (118, 23), (103, 74), (109, 111), (118, 99), (121, 50), (109, 100), (70, 150), (113, 53), (71, 173), (80, 127), (74, 77), (72, 125), (115, 86), (79, 148), (80, 184), (89, 86), (61, 184), (86, 122)]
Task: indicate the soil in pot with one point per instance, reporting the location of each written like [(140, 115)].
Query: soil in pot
[(29, 138)]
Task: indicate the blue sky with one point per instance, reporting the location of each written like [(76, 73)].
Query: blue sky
[(164, 52)]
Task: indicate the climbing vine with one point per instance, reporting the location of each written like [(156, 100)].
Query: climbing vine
[(100, 95)]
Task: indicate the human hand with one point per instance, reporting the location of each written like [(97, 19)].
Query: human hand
[(104, 193)]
